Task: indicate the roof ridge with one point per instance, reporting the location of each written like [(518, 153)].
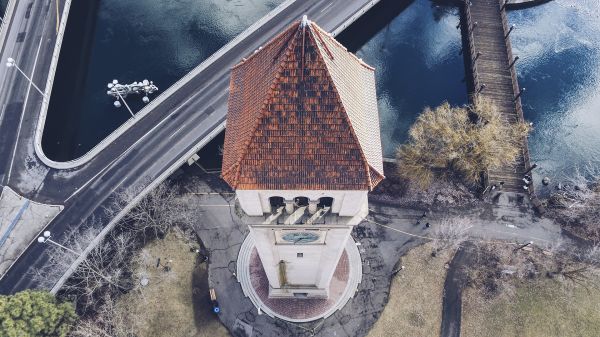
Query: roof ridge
[(377, 171), (268, 98), (358, 59), (346, 117), (272, 41)]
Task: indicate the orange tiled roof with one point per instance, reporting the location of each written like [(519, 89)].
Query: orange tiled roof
[(303, 116)]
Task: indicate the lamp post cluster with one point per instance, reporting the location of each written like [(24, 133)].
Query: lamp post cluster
[(117, 90), (120, 91)]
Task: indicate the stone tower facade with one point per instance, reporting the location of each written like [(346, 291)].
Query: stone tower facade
[(302, 150)]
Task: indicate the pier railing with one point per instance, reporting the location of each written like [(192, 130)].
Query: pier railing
[(472, 53), (515, 86)]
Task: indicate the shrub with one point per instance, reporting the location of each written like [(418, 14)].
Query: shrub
[(34, 314), (459, 141)]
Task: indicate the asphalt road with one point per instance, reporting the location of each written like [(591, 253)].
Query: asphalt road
[(23, 41), (145, 151)]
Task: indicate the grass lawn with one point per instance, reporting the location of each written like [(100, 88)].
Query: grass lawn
[(542, 308), (415, 305), (174, 303)]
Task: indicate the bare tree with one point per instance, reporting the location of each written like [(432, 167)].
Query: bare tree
[(106, 269), (450, 233), (109, 321), (577, 205), (497, 267), (59, 259), (159, 210)]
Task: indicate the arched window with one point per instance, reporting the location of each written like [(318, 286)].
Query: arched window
[(300, 201), (325, 202), (276, 202)]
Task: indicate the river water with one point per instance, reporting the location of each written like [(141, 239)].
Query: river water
[(414, 48), (559, 48), (3, 4), (417, 64), (131, 41)]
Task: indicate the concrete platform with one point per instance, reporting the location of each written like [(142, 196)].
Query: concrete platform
[(255, 285), (21, 222)]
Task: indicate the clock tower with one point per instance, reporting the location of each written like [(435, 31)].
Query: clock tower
[(302, 150)]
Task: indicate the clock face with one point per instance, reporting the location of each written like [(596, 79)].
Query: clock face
[(300, 237)]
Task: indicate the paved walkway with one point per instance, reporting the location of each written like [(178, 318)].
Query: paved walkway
[(21, 221), (507, 216)]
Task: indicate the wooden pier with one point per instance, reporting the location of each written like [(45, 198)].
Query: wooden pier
[(491, 74)]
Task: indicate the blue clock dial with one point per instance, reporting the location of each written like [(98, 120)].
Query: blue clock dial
[(300, 237)]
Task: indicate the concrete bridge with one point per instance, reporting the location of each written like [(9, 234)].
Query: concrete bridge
[(144, 151)]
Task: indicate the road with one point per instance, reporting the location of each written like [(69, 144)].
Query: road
[(154, 144), (23, 41)]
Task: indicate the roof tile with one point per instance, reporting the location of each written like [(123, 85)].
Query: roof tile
[(302, 115)]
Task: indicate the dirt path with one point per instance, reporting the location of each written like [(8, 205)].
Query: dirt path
[(453, 287)]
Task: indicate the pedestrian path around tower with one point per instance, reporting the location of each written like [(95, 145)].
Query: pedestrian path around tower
[(253, 280)]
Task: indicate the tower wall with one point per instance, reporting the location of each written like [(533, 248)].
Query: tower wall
[(309, 267)]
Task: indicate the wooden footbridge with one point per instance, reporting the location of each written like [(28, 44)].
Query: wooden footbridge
[(491, 74)]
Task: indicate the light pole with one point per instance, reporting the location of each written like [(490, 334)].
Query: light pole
[(127, 106), (46, 239), (10, 62), (117, 103)]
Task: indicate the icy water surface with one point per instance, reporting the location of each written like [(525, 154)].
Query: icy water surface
[(417, 64), (559, 48), (131, 40)]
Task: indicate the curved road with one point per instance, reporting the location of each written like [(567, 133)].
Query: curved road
[(153, 145)]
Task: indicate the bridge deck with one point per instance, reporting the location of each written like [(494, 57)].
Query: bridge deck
[(485, 31)]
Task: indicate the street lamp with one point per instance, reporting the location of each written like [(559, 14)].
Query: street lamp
[(10, 62), (46, 239), (117, 104)]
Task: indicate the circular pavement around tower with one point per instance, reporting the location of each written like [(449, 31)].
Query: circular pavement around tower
[(254, 282)]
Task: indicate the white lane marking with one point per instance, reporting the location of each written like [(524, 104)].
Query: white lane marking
[(326, 7), (213, 205), (177, 131), (37, 54), (118, 185), (57, 17)]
